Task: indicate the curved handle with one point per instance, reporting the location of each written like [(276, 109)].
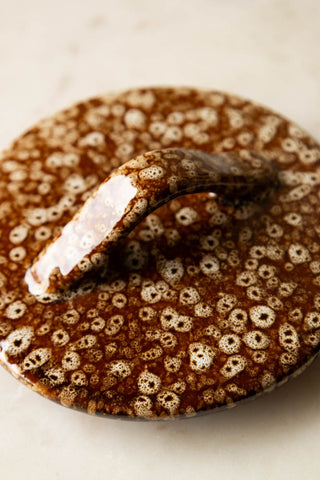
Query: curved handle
[(133, 191)]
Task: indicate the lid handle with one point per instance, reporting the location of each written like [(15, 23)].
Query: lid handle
[(133, 191)]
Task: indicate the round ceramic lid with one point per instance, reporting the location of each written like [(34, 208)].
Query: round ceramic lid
[(203, 304)]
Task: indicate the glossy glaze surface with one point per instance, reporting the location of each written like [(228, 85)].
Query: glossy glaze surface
[(204, 304), (134, 191)]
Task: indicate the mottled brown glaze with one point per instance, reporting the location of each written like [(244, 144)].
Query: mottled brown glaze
[(204, 303), (132, 192)]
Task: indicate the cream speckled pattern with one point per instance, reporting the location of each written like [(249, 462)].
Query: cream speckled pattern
[(131, 193), (205, 304)]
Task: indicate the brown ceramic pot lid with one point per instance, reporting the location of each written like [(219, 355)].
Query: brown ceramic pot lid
[(159, 298)]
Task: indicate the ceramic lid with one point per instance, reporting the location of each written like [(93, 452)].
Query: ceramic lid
[(205, 302)]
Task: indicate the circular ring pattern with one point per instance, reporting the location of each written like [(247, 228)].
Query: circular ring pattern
[(204, 304)]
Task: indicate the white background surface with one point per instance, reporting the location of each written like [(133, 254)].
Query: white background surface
[(55, 52)]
